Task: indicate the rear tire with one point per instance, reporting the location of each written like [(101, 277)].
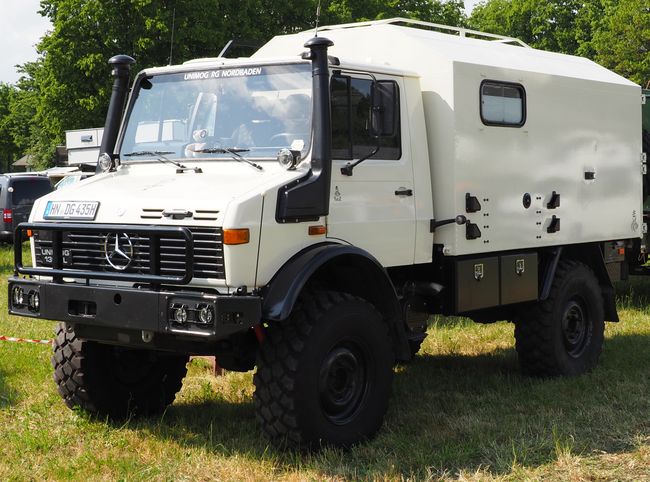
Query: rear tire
[(113, 381), (324, 375), (563, 335)]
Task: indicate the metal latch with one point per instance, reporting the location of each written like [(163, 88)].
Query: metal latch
[(554, 202), (520, 267), (554, 225), (643, 99), (644, 228), (472, 204)]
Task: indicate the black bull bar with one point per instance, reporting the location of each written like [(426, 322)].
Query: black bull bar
[(58, 271)]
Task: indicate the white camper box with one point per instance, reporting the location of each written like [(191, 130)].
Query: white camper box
[(580, 137)]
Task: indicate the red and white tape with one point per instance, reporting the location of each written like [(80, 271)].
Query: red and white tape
[(25, 340)]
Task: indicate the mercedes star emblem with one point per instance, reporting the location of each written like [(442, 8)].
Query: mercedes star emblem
[(118, 250)]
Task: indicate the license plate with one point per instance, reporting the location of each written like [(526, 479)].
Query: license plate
[(83, 210), (47, 257)]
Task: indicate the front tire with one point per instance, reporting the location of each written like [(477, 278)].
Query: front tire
[(113, 381), (563, 335), (324, 376)]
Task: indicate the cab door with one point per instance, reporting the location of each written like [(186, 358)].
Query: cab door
[(374, 207)]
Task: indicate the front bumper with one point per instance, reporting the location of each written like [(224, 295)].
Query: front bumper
[(109, 311)]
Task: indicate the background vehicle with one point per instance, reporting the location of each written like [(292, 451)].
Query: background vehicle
[(305, 215), (17, 195)]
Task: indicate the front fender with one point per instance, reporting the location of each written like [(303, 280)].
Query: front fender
[(340, 268)]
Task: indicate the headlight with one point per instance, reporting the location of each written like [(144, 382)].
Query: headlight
[(288, 159), (105, 162)]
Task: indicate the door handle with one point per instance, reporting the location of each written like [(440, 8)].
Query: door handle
[(404, 192)]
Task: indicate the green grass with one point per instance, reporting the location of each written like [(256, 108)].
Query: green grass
[(461, 410)]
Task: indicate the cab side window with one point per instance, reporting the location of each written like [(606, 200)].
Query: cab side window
[(351, 121)]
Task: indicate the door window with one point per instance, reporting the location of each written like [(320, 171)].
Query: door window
[(351, 121)]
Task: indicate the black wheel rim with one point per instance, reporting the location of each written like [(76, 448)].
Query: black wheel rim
[(343, 382), (130, 367), (576, 327)]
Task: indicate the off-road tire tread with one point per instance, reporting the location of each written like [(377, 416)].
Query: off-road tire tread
[(533, 330), (275, 393), (81, 384)]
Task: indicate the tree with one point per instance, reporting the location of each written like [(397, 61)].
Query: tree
[(447, 12), (615, 33), (623, 41), (7, 146), (543, 24)]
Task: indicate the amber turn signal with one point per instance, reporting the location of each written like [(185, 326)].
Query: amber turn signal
[(30, 233), (236, 236), (317, 230)]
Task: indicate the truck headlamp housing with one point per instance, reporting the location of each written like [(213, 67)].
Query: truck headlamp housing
[(105, 162)]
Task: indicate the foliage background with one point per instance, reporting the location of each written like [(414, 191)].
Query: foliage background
[(69, 86)]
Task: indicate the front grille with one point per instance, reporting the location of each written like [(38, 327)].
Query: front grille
[(85, 250)]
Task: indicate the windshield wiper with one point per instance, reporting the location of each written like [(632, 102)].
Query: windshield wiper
[(159, 156), (234, 153)]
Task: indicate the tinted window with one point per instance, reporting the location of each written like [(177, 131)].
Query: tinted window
[(28, 190), (351, 135), (503, 104)]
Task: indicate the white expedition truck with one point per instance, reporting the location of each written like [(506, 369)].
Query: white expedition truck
[(304, 211)]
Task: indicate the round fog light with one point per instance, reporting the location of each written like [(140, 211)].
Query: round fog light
[(206, 315), (34, 300), (180, 314), (17, 295)]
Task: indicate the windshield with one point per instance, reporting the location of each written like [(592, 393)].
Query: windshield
[(202, 115)]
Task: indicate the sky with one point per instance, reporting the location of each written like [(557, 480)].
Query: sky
[(21, 27)]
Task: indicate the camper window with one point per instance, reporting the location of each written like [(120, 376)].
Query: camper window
[(503, 104)]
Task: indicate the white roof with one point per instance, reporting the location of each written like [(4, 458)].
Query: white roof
[(414, 48)]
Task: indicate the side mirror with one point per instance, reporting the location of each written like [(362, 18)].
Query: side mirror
[(385, 98)]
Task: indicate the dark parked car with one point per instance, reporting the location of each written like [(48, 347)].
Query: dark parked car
[(17, 195)]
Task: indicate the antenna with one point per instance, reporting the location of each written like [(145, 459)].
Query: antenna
[(171, 43), (317, 18)]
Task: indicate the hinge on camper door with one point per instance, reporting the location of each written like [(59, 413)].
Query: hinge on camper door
[(644, 98), (644, 166)]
